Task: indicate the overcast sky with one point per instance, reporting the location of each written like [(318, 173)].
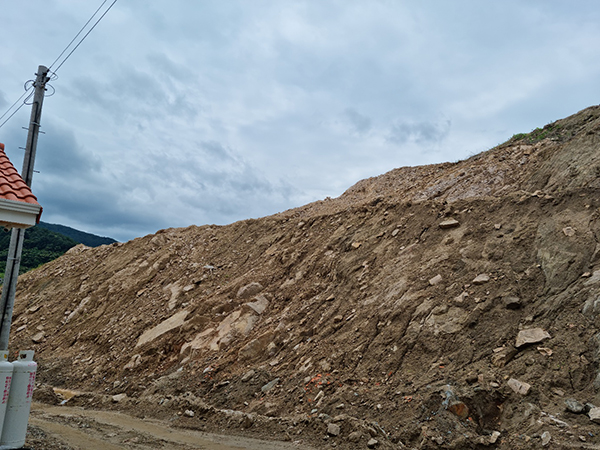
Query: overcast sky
[(174, 113)]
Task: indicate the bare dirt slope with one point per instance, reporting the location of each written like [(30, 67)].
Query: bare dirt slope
[(444, 306)]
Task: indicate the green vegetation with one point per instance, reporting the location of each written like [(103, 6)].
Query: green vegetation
[(40, 246), (552, 130), (81, 237), (518, 136), (46, 242)]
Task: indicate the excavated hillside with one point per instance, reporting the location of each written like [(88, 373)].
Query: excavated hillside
[(444, 306)]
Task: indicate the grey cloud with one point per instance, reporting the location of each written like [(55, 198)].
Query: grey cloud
[(419, 132), (96, 208), (359, 122), (97, 202), (13, 137), (184, 21), (216, 180), (83, 203), (60, 155), (165, 66), (130, 90), (210, 184), (216, 150), (72, 184)]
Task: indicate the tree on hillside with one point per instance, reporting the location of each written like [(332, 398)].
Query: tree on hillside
[(39, 247)]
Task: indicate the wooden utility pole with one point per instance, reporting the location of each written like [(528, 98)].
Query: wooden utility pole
[(13, 261)]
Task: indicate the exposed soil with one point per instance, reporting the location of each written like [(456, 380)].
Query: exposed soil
[(62, 427), (387, 317)]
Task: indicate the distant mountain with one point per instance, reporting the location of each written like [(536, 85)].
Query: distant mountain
[(39, 247), (46, 242), (91, 240)]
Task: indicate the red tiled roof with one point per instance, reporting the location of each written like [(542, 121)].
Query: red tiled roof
[(12, 186)]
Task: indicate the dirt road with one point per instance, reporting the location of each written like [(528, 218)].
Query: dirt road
[(77, 428)]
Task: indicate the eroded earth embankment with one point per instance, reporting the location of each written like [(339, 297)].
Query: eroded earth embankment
[(444, 306)]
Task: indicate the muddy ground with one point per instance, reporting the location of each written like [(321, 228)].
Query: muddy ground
[(445, 306), (72, 428)]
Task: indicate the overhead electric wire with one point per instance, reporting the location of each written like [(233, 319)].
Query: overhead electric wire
[(83, 38), (77, 35), (15, 103), (10, 117), (53, 75)]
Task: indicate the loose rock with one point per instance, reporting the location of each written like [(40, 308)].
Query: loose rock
[(435, 280), (259, 304), (355, 437), (460, 298), (574, 406), (134, 362), (594, 414), (512, 303), (249, 290), (449, 223), (531, 336), (270, 385), (481, 279), (333, 429), (519, 387), (545, 351), (118, 398), (248, 375), (494, 437), (372, 443), (588, 406), (546, 438)]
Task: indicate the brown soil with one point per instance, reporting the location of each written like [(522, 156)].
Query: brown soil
[(63, 427), (374, 316)]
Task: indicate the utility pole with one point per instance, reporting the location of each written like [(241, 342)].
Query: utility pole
[(13, 261)]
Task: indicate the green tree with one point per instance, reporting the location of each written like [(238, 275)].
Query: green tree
[(39, 247)]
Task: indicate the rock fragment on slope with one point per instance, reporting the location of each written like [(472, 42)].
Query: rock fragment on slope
[(531, 336), (449, 223)]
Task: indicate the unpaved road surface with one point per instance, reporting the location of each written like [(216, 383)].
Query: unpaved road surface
[(61, 427)]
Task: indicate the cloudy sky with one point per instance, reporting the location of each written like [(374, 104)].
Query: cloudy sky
[(180, 112)]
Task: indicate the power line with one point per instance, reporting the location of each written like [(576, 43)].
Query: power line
[(13, 105), (27, 91), (86, 35), (53, 75), (10, 117), (77, 35)]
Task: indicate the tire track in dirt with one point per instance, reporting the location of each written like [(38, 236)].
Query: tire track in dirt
[(71, 436), (108, 430)]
